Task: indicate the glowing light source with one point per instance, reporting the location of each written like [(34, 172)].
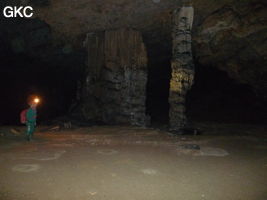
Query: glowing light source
[(36, 100)]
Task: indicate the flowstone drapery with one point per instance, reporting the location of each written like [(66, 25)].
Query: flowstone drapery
[(182, 66), (115, 88)]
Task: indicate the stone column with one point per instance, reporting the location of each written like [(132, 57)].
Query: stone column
[(90, 107), (182, 66), (125, 77), (115, 87)]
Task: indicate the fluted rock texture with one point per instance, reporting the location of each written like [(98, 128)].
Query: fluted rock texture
[(229, 35), (115, 88)]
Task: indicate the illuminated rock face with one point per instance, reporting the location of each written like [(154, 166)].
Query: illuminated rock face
[(182, 66), (115, 88), (117, 74), (228, 35), (233, 39)]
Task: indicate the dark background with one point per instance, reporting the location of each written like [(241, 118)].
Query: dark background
[(33, 62)]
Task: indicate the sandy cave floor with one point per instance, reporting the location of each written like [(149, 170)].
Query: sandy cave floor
[(129, 163)]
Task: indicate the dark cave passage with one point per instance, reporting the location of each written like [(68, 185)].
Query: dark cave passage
[(55, 85), (216, 97), (159, 74), (32, 64)]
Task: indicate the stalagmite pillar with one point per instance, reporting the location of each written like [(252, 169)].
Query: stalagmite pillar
[(125, 77), (115, 86), (182, 66)]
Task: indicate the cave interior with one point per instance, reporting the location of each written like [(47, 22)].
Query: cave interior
[(139, 99), (214, 95), (34, 61)]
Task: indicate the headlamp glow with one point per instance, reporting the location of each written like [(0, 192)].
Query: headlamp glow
[(36, 100)]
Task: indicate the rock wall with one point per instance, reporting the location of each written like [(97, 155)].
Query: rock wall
[(229, 35), (232, 38), (115, 87), (182, 66)]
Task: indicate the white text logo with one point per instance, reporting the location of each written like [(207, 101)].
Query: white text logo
[(15, 11)]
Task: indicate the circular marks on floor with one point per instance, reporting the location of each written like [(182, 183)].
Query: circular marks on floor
[(150, 172), (45, 156), (26, 168), (63, 145), (92, 192), (196, 150), (56, 156), (107, 151)]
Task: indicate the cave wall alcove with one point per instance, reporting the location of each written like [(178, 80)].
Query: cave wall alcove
[(33, 63), (216, 97)]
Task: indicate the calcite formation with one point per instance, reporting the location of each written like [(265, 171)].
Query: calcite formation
[(182, 66), (115, 88), (233, 39), (228, 35)]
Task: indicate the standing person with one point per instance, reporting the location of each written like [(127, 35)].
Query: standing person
[(31, 116)]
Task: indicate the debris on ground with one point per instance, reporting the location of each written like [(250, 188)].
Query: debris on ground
[(210, 151), (55, 128), (190, 146), (15, 131), (11, 131), (188, 149), (185, 131), (149, 171), (64, 125), (67, 125)]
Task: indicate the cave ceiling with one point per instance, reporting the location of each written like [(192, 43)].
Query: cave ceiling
[(227, 34)]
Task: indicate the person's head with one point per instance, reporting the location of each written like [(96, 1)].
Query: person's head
[(33, 105), (33, 101)]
